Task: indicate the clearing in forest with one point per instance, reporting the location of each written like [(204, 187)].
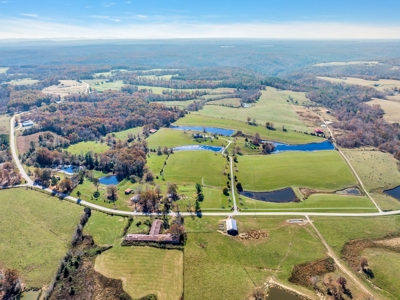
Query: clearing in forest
[(84, 147), (66, 87), (380, 85), (391, 109)]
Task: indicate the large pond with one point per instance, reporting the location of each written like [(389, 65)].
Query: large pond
[(325, 145), (278, 294), (395, 193), (108, 180), (199, 147), (280, 196), (68, 169), (215, 130)]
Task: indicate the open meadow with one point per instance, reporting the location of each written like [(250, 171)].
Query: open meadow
[(36, 231), (170, 138), (65, 88), (380, 85), (24, 81), (196, 167), (123, 135), (159, 90), (273, 106), (314, 203), (324, 170), (102, 85), (230, 266), (144, 270), (378, 171), (272, 135), (180, 104), (83, 147), (391, 109), (4, 124)]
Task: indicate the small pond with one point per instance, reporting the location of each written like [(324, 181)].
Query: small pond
[(325, 145), (108, 180), (199, 147), (395, 193), (68, 169), (278, 294), (221, 131), (280, 196)]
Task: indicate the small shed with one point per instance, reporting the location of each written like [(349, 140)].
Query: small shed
[(318, 131), (27, 123), (153, 130), (231, 226), (135, 198), (128, 191)]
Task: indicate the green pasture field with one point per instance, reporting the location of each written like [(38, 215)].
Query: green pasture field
[(155, 162), (314, 203), (213, 96), (170, 138), (339, 230), (87, 189), (4, 124), (105, 229), (385, 265), (376, 169), (36, 231), (196, 166), (181, 104), (84, 147), (272, 107), (123, 135), (324, 170), (110, 73), (155, 77), (226, 101), (102, 85), (391, 109), (24, 81), (229, 267), (144, 270), (273, 135), (383, 83), (159, 90), (3, 70)]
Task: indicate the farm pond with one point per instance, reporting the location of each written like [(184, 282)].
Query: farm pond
[(110, 179), (395, 193), (199, 147), (215, 130), (280, 196), (325, 145)]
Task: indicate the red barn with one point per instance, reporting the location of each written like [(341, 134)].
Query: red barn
[(318, 131)]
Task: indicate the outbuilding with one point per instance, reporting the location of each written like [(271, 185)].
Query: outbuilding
[(128, 191), (27, 123), (231, 227)]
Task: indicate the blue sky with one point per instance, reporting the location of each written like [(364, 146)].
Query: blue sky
[(333, 19)]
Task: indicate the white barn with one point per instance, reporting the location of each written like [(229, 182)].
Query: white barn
[(231, 226)]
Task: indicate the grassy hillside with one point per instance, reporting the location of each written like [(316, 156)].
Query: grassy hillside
[(36, 230)]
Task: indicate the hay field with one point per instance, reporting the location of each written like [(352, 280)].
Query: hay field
[(102, 85), (65, 88), (25, 81), (325, 170), (4, 124), (144, 270), (271, 107), (383, 83), (278, 135), (391, 109), (227, 101), (84, 147), (36, 230)]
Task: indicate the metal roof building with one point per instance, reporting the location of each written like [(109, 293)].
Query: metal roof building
[(231, 226)]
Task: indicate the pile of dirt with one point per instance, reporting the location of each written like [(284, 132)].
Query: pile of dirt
[(79, 280), (301, 274), (253, 235)]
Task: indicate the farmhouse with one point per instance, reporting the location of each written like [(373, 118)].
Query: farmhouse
[(231, 226), (154, 235), (27, 123), (318, 131)]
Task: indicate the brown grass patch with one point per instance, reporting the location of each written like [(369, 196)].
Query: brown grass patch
[(23, 141), (301, 274)]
